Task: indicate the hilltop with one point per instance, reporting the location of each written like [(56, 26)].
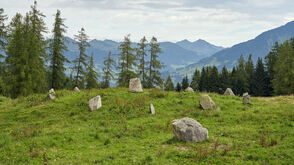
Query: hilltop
[(34, 130)]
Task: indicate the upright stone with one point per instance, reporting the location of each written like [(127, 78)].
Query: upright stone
[(189, 89), (187, 129), (51, 94), (206, 102), (152, 109), (229, 92), (76, 89), (135, 85), (246, 98), (95, 103)]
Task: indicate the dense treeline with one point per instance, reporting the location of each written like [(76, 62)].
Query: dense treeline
[(32, 64), (275, 76)]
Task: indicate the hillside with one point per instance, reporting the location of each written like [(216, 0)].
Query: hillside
[(34, 130), (258, 47)]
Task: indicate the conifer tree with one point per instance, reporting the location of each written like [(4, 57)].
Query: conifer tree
[(203, 80), (270, 61), (154, 78), (225, 80), (241, 84), (92, 76), (249, 69), (169, 85), (57, 47), (259, 79), (178, 87), (81, 61), (141, 54), (3, 35), (127, 62), (109, 65), (196, 80), (185, 82), (213, 80), (283, 81)]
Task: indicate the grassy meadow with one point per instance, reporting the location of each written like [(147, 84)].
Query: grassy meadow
[(35, 130)]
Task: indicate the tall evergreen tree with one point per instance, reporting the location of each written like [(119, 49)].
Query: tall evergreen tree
[(241, 84), (92, 76), (57, 46), (141, 54), (81, 61), (3, 38), (196, 80), (270, 61), (249, 69), (283, 81), (127, 62), (225, 80), (155, 65), (203, 80), (178, 87), (185, 82), (108, 72), (214, 81), (259, 79), (169, 85)]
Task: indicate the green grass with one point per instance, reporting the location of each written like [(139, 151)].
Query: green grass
[(34, 130)]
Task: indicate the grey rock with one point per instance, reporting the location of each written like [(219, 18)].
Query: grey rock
[(189, 89), (51, 94), (187, 129), (206, 102), (152, 109), (95, 103), (229, 92), (246, 98), (76, 89), (135, 85)]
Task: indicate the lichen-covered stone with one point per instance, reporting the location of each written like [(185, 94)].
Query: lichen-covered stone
[(229, 92), (95, 103), (206, 102), (135, 85)]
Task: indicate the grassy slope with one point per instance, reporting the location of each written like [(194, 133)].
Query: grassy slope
[(34, 129)]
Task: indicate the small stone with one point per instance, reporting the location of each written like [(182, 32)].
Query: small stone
[(95, 103), (152, 109), (246, 98), (206, 102), (187, 129), (135, 85), (76, 89), (51, 94), (229, 92), (189, 89)]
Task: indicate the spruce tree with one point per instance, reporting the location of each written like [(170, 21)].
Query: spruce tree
[(178, 87), (214, 80), (270, 61), (108, 73), (127, 62), (3, 38), (249, 68), (141, 54), (283, 81), (196, 80), (241, 84), (185, 82), (259, 79), (81, 61), (203, 80), (57, 47), (92, 76), (225, 80), (154, 78), (169, 85)]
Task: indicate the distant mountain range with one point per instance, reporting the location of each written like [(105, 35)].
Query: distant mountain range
[(258, 47), (174, 55)]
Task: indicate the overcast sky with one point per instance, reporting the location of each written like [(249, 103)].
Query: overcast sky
[(223, 23)]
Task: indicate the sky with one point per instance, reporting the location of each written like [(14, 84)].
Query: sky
[(223, 23)]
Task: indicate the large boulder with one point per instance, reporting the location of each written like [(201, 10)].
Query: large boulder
[(189, 89), (152, 109), (206, 102), (76, 89), (135, 85), (95, 103), (246, 98), (51, 94), (229, 92), (187, 129)]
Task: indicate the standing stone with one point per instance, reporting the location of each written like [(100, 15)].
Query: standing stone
[(189, 89), (187, 129), (135, 85), (206, 102), (152, 109), (51, 94), (95, 103), (229, 92), (246, 98), (76, 89)]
